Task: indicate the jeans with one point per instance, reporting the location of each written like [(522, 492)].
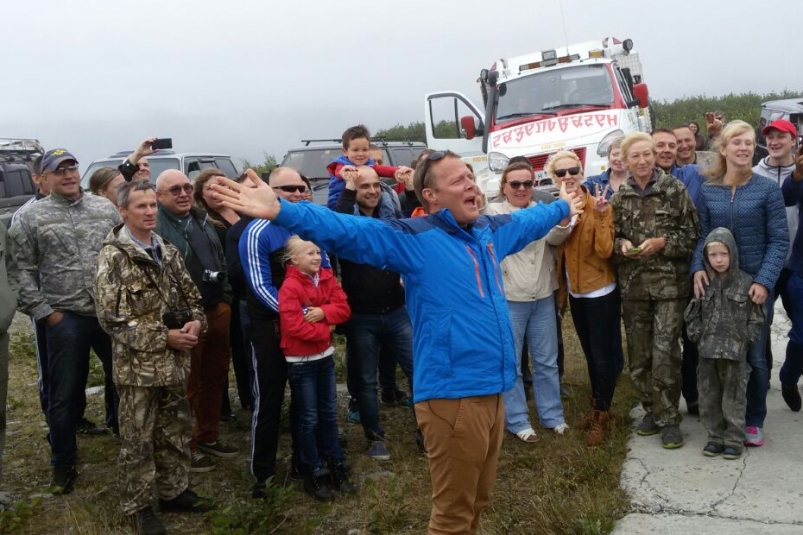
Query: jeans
[(366, 335), (759, 382), (597, 321), (536, 319), (312, 386), (68, 344), (793, 365)]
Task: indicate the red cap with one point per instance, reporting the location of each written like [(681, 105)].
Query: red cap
[(781, 125)]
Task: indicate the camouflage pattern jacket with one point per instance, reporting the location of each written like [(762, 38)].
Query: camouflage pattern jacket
[(59, 238), (725, 320), (133, 292), (665, 210)]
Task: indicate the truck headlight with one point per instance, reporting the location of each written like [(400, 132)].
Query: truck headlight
[(497, 161), (602, 149)]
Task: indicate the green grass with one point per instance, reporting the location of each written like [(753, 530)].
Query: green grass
[(556, 486)]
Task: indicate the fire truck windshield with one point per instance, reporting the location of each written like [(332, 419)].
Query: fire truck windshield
[(543, 92)]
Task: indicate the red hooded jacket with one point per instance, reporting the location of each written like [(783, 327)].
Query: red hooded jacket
[(298, 292)]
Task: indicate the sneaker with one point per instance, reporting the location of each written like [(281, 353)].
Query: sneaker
[(145, 522), (396, 398), (754, 437), (339, 478), (89, 428), (647, 427), (187, 501), (419, 441), (791, 396), (315, 485), (671, 437), (732, 453), (378, 452), (560, 429), (63, 479), (712, 449), (201, 463), (227, 417), (693, 408), (353, 416), (218, 449)]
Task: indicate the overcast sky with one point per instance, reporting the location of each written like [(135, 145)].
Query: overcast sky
[(247, 77)]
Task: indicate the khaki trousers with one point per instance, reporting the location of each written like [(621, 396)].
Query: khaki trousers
[(463, 438)]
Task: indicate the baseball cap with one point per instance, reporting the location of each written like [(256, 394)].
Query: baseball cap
[(781, 125), (53, 157)]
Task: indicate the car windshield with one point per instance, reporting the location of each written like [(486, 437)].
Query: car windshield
[(549, 91), (157, 166), (311, 163)]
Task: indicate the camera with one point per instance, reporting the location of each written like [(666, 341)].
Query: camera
[(214, 276), (175, 319)]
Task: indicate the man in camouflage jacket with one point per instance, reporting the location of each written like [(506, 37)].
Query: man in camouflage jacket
[(150, 306), (723, 323), (655, 289), (59, 238)]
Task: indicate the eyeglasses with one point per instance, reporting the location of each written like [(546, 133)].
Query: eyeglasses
[(292, 189), (61, 171), (560, 173), (175, 191), (517, 184)]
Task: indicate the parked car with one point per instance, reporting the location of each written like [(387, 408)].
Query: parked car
[(191, 163), (312, 158), (16, 183), (790, 109)]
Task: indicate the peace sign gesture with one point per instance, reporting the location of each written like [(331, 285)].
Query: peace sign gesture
[(600, 198)]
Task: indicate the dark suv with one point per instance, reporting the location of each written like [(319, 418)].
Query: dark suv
[(790, 109), (16, 184), (190, 163), (312, 158)]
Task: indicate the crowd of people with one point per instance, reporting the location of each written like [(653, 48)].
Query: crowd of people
[(169, 280)]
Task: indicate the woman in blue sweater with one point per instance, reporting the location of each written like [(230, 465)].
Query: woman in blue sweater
[(752, 208)]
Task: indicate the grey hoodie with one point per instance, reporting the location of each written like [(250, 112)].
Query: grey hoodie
[(778, 173), (724, 321)]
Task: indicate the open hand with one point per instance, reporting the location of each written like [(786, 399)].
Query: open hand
[(700, 283), (256, 199)]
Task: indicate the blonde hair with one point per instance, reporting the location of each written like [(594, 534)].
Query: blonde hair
[(634, 137), (732, 129), (294, 246), (555, 158)]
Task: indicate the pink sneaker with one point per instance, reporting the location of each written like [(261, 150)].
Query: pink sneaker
[(754, 437)]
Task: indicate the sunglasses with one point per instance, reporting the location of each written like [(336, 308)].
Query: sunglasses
[(516, 184), (292, 189), (560, 173), (175, 191), (431, 157), (61, 171)]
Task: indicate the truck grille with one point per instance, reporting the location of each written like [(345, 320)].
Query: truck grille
[(539, 161)]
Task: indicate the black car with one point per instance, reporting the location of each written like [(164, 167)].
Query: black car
[(790, 109), (16, 182)]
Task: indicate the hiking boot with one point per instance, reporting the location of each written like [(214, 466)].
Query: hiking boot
[(712, 449), (754, 437), (339, 478), (315, 485), (598, 428), (693, 408), (145, 522), (63, 479), (671, 437), (731, 453), (187, 501), (218, 449), (89, 428), (791, 396), (378, 452), (647, 427), (201, 463)]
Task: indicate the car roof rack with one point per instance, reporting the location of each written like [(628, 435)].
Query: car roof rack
[(307, 142), (375, 140), (25, 146)]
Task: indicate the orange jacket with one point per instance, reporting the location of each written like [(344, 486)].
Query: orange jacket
[(586, 254)]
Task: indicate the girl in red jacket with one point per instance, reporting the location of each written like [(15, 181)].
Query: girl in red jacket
[(311, 303)]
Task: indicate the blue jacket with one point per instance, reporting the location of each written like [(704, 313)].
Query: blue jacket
[(336, 185), (600, 180), (692, 178), (792, 196), (756, 217), (462, 335)]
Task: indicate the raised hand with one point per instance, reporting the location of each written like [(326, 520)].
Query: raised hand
[(712, 124), (600, 198), (143, 149), (574, 200), (256, 200), (797, 176)]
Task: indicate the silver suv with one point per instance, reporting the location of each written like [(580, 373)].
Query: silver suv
[(191, 163)]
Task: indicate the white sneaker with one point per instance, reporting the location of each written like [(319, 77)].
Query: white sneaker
[(560, 429), (527, 435)]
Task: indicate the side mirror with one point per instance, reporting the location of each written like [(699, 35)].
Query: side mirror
[(642, 94), (467, 125)]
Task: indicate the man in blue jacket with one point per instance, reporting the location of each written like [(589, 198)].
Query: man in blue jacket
[(463, 348)]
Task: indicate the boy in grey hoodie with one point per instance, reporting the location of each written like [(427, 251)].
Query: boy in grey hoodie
[(722, 323)]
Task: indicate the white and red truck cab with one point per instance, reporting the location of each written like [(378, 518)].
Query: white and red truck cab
[(576, 98)]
